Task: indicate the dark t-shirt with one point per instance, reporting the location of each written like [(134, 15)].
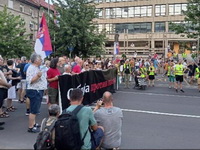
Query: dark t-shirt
[(21, 67)]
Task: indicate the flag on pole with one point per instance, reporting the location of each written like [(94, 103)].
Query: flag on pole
[(43, 45), (116, 48)]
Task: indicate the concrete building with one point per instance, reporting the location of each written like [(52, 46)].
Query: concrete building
[(30, 10), (143, 25)]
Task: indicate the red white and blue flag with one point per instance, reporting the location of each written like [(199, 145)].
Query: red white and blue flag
[(43, 45), (116, 48)]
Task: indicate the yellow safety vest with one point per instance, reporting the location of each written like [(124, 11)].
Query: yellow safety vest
[(179, 70), (143, 72), (197, 73), (169, 72), (151, 72), (184, 55)]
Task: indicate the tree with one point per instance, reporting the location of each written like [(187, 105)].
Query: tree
[(191, 24), (76, 29), (13, 40)]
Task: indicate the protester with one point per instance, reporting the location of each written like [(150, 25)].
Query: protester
[(61, 64), (179, 71), (127, 72), (52, 78), (54, 112), (85, 117), (151, 75), (197, 73), (14, 79), (36, 84), (22, 85), (4, 86), (110, 118), (68, 69)]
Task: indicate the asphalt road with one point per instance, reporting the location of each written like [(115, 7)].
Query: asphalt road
[(155, 118)]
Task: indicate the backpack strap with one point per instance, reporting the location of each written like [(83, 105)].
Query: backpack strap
[(77, 109), (50, 128)]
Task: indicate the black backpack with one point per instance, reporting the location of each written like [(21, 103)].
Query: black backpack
[(44, 138), (67, 131)]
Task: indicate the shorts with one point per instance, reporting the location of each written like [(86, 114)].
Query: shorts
[(12, 93), (35, 97), (198, 81), (171, 78), (22, 84), (151, 77), (179, 78), (3, 95), (53, 95), (96, 138)]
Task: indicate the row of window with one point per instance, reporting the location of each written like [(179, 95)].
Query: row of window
[(133, 27), (141, 11), (21, 8)]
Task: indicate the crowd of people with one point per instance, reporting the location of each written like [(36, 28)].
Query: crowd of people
[(32, 79)]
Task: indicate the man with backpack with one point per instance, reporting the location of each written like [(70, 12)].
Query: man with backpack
[(46, 137), (72, 127)]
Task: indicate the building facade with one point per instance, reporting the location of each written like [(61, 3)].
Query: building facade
[(30, 10), (143, 25)]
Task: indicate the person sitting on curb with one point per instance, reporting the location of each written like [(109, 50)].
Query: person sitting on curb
[(110, 117)]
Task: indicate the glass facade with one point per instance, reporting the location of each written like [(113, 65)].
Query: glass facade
[(159, 26), (134, 27), (125, 12)]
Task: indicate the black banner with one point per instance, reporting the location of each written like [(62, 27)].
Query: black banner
[(93, 84)]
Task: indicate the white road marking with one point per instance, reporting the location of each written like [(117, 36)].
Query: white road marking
[(160, 113), (156, 94)]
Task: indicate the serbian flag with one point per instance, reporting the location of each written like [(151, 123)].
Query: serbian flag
[(43, 45), (116, 48)]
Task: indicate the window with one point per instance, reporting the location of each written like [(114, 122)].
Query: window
[(160, 10), (100, 27), (31, 25), (134, 27), (118, 12), (10, 3), (100, 13), (125, 12), (159, 26), (31, 37), (176, 9), (31, 13), (109, 28), (21, 8)]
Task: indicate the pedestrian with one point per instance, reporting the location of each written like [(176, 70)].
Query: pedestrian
[(85, 117), (151, 75), (170, 74), (179, 71), (52, 78), (68, 69), (110, 118), (197, 73), (36, 84), (4, 86), (127, 72)]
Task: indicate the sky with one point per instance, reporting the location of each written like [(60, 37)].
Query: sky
[(49, 1)]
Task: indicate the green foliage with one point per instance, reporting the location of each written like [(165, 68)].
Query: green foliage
[(13, 40), (77, 29), (191, 24)]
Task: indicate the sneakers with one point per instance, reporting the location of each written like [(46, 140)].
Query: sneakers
[(2, 123), (33, 130), (1, 128), (37, 125), (182, 90), (177, 90), (27, 113)]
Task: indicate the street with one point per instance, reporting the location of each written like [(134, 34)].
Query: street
[(155, 118)]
